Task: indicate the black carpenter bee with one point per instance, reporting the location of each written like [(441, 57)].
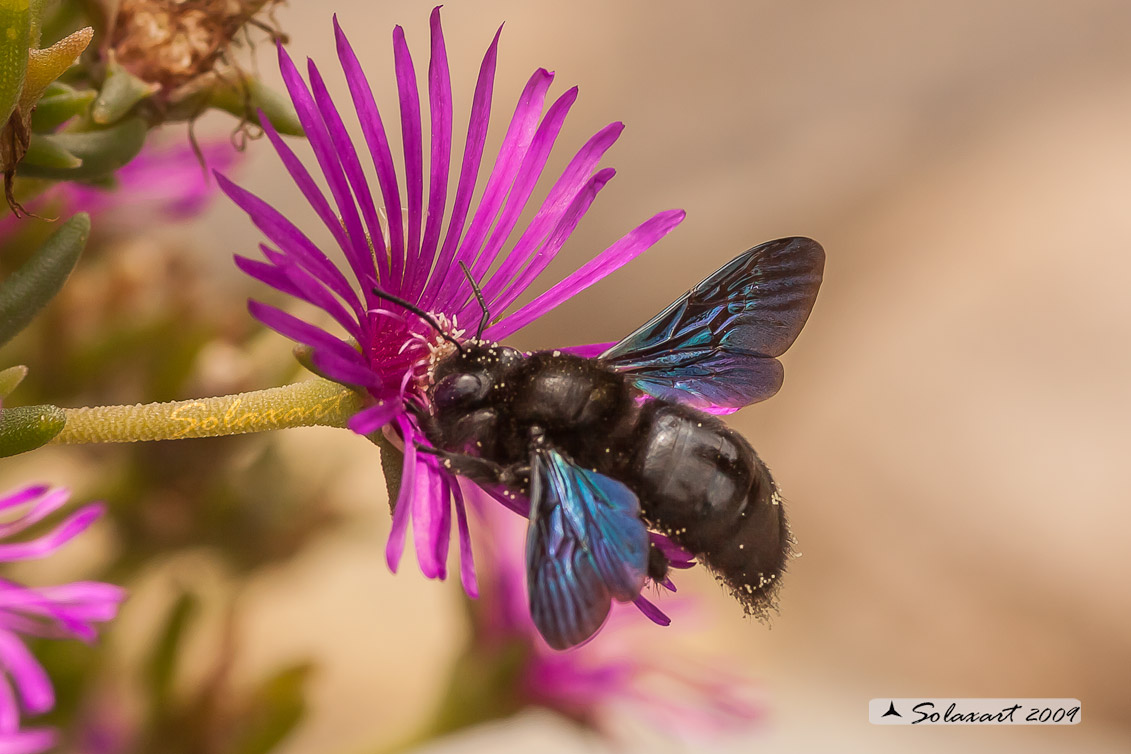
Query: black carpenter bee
[(607, 448)]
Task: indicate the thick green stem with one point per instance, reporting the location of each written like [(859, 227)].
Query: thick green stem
[(304, 404)]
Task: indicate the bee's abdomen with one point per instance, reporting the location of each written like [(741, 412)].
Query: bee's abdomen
[(702, 484)]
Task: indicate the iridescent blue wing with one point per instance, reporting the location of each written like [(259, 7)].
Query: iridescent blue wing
[(715, 347), (586, 546)]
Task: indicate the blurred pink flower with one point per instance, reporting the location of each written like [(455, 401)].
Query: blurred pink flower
[(67, 611), (105, 725), (618, 673), (165, 182)]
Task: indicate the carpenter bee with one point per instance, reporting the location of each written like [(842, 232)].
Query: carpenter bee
[(606, 448)]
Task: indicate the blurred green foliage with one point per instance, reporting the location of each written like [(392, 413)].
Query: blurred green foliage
[(118, 330), (27, 290)]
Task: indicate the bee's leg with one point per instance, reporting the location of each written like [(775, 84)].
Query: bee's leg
[(424, 420), (658, 565), (473, 467)]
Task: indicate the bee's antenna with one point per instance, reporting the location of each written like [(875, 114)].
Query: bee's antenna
[(478, 297), (420, 313)]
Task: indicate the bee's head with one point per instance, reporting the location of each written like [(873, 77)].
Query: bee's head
[(467, 379)]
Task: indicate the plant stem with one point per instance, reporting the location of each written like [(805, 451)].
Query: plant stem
[(304, 404)]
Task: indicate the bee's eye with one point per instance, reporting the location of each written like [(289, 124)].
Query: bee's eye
[(463, 389)]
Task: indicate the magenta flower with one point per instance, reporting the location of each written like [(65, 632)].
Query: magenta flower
[(616, 674), (378, 348), (69, 611)]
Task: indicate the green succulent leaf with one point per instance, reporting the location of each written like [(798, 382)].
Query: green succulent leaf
[(15, 40), (120, 92), (45, 151), (39, 10), (279, 705), (55, 88), (304, 355), (247, 97), (59, 104), (102, 151), (161, 665), (48, 64), (42, 68), (392, 466), (10, 379), (28, 289), (25, 428)]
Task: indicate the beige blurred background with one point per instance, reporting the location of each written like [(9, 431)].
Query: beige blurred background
[(953, 431)]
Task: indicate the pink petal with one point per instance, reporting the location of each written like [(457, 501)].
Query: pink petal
[(440, 110), (515, 145), (352, 239), (291, 240), (444, 528), (311, 290), (532, 164), (370, 419), (626, 249), (9, 709), (374, 131), (466, 561), (49, 502), (472, 156), (22, 496), (653, 613), (32, 684), (343, 145), (290, 278), (28, 741), (427, 514), (42, 546), (85, 601), (395, 546), (351, 371), (306, 184), (303, 332), (412, 146), (567, 223), (502, 290)]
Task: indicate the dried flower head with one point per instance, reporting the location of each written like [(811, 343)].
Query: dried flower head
[(171, 43)]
